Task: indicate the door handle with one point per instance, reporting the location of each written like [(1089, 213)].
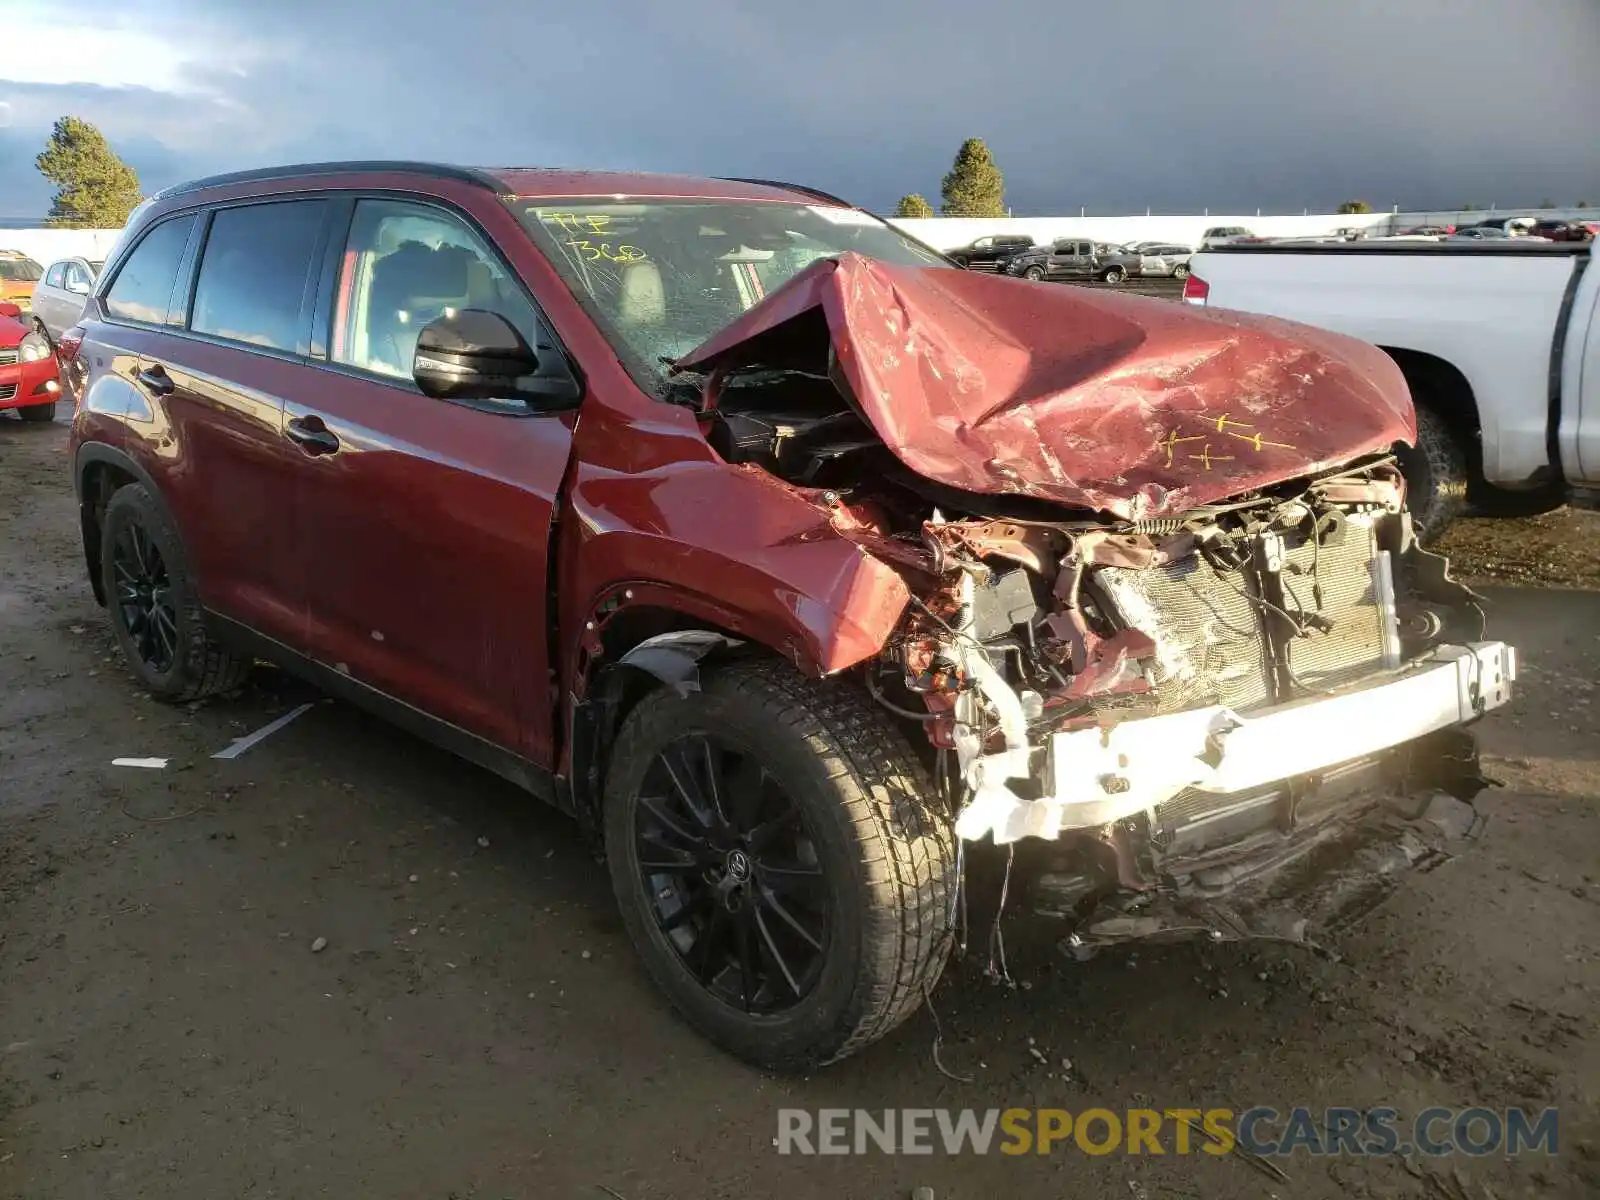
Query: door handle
[(312, 435), (156, 380)]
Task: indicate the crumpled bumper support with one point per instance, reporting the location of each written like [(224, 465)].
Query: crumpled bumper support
[(1098, 776)]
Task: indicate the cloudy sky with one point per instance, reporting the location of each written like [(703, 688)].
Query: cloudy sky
[(1174, 104)]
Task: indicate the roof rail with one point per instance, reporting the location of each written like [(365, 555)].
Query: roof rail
[(791, 187), (295, 170)]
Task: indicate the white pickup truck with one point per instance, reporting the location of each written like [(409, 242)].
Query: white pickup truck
[(1500, 343)]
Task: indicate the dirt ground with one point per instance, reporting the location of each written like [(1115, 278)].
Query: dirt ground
[(476, 1024)]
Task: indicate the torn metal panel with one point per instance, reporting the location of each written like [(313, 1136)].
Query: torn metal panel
[(1121, 404)]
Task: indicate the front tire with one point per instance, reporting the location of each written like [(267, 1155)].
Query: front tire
[(1436, 475), (1034, 273), (154, 608), (38, 413), (781, 861), (1180, 272)]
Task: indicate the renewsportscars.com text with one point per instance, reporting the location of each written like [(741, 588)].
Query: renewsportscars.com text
[(1260, 1130)]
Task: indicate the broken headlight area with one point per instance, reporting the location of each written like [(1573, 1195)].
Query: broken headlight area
[(1191, 705)]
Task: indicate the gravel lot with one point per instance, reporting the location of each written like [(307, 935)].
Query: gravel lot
[(475, 1024)]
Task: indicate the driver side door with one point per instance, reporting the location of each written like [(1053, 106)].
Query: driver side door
[(427, 523)]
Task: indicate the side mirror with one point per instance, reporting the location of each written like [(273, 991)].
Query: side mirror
[(8, 309), (473, 354)]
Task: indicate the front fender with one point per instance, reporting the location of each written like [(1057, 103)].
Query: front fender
[(729, 548)]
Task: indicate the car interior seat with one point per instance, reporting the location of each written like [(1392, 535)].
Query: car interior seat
[(410, 287)]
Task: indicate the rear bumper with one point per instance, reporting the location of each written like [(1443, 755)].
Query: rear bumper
[(1098, 776)]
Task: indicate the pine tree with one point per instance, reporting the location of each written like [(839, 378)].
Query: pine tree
[(913, 206), (94, 188), (974, 187)]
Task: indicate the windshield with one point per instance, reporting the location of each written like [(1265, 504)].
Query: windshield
[(659, 278), (20, 270)]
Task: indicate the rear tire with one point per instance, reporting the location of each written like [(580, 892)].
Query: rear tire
[(1436, 475), (878, 847), (1114, 275), (154, 608), (39, 413)]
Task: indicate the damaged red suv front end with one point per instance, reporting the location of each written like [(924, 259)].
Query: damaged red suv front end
[(1165, 604)]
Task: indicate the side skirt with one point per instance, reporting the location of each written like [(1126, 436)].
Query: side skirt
[(507, 764)]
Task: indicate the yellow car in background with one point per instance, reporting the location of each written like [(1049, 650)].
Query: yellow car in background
[(18, 276)]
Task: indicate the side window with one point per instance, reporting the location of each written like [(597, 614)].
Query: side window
[(1085, 248), (253, 272), (142, 290), (78, 279), (56, 276), (406, 265)]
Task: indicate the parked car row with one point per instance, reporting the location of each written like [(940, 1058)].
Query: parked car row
[(1073, 258)]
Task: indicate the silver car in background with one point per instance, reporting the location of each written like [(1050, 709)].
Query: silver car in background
[(59, 297), (1164, 260)]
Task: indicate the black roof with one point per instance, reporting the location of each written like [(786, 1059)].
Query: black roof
[(296, 170)]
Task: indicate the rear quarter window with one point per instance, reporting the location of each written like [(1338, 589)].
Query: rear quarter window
[(142, 290), (253, 273)]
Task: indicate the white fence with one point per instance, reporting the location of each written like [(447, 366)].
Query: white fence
[(47, 245)]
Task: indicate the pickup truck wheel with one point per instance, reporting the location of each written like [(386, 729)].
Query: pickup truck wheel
[(38, 412), (1114, 275), (1034, 273), (782, 864), (1436, 475), (154, 610)]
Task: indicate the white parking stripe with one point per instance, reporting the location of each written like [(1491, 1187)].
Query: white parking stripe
[(240, 745)]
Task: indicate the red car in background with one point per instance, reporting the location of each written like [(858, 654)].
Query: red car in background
[(30, 381)]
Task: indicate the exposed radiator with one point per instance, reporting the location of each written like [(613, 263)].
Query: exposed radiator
[(1348, 574), (1211, 626), (1214, 646), (1211, 646)]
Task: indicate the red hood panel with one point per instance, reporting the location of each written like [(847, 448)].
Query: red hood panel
[(1136, 407)]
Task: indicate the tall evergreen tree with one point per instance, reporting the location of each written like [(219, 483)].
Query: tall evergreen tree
[(974, 187), (94, 188), (913, 206)]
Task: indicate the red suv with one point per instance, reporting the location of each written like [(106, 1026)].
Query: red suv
[(784, 556)]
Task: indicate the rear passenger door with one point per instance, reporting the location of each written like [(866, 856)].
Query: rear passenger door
[(216, 396), (426, 523)]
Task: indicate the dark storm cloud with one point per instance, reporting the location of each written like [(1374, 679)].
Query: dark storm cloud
[(1231, 105)]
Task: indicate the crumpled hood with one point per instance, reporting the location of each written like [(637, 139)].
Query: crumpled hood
[(1136, 407)]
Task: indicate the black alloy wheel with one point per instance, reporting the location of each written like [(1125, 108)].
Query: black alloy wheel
[(732, 874), (144, 597), (155, 612)]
